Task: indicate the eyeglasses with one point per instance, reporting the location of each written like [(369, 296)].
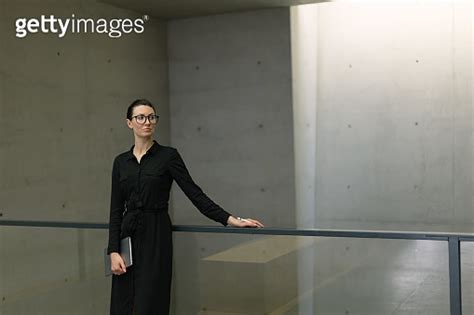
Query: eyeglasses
[(141, 119)]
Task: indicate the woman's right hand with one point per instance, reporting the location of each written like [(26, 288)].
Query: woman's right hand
[(117, 265)]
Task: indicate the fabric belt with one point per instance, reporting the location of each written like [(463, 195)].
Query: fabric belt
[(133, 217), (138, 205)]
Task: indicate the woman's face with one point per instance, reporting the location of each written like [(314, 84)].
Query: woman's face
[(146, 128)]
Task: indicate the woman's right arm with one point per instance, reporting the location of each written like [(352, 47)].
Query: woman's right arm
[(117, 265), (116, 209)]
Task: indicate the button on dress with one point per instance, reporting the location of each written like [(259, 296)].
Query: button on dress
[(139, 208)]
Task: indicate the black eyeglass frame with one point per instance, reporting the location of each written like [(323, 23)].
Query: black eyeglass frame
[(157, 117)]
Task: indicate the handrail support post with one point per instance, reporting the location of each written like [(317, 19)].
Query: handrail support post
[(455, 293)]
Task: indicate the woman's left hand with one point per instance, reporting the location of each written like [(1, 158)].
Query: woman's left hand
[(247, 222)]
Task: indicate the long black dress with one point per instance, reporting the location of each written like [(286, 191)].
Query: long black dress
[(139, 208)]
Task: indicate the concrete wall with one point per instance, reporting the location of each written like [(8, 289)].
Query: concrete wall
[(231, 118), (394, 110), (62, 121), (231, 115)]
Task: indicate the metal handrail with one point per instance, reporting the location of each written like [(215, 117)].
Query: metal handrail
[(378, 234), (454, 241)]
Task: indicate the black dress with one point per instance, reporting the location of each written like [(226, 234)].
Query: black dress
[(139, 208)]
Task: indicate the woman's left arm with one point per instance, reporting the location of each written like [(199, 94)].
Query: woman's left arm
[(199, 199)]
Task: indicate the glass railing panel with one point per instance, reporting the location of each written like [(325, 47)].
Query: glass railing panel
[(242, 274), (467, 277), (53, 271)]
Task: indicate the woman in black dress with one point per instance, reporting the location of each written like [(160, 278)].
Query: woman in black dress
[(141, 183)]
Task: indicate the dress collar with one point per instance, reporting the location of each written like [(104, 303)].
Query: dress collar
[(152, 150)]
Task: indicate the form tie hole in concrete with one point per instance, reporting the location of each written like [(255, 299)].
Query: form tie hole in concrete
[(416, 123), (3, 299), (197, 67), (111, 129), (199, 128), (348, 186), (63, 205), (262, 189), (417, 61), (260, 126), (58, 53), (60, 129), (203, 249), (109, 61), (350, 66), (349, 126), (1, 214), (259, 62)]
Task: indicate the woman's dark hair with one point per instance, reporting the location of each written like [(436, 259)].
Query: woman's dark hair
[(136, 103)]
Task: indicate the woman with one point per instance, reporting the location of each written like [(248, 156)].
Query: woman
[(141, 183)]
